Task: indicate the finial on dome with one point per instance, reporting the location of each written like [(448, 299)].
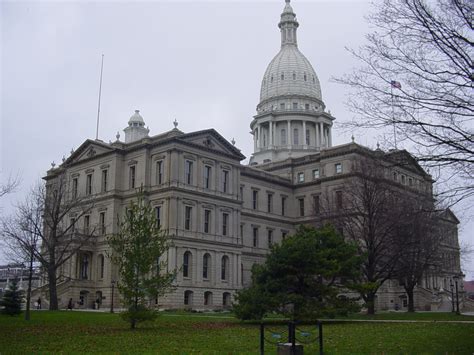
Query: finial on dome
[(378, 146), (53, 164), (352, 138), (287, 1), (117, 135), (175, 123)]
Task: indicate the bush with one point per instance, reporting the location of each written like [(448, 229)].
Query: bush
[(139, 314)]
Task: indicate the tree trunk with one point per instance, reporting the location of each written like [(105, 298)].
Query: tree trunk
[(411, 299), (53, 291), (370, 303), (28, 291)]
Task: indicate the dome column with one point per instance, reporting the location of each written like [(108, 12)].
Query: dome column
[(270, 134), (329, 137), (288, 135), (305, 146)]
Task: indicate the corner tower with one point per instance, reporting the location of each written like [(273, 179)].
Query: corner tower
[(291, 120)]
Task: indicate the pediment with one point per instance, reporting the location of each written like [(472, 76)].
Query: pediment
[(448, 215), (211, 140), (88, 150), (405, 160)]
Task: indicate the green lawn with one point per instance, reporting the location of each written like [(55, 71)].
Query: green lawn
[(177, 333)]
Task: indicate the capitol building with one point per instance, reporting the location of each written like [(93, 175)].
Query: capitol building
[(223, 216)]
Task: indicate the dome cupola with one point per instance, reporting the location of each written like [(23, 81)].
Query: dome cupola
[(136, 128), (291, 118)]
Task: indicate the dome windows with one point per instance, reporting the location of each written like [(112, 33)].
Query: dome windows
[(294, 76), (271, 79), (305, 77), (282, 76)]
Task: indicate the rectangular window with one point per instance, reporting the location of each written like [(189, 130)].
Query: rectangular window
[(338, 167), (339, 199), (316, 174), (87, 220), (188, 171), (403, 179), (269, 203), (254, 199), (207, 220), (283, 235), (225, 180), (132, 177), (104, 180), (316, 204), (282, 106), (102, 223), (306, 107), (307, 137), (158, 216), (89, 184), (270, 238), (300, 177), (225, 221), (295, 136), (74, 187), (72, 223), (255, 237), (241, 231), (187, 218), (295, 105), (159, 172), (410, 181), (207, 177), (301, 204), (283, 137), (241, 193), (283, 205)]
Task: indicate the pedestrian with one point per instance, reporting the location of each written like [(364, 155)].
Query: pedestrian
[(38, 303), (69, 305)]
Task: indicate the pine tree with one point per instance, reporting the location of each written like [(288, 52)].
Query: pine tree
[(12, 300)]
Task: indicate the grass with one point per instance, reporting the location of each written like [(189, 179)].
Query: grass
[(178, 333)]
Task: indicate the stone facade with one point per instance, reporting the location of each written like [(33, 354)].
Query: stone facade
[(223, 216)]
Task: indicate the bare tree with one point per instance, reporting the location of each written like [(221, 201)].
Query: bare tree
[(367, 208), (52, 213), (416, 77), (21, 244), (10, 185), (418, 244)]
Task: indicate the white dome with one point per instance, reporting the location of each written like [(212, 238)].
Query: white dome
[(136, 118), (290, 73)]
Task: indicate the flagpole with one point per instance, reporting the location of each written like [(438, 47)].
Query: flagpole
[(393, 118), (100, 92)]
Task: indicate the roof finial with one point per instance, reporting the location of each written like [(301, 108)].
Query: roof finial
[(287, 1), (233, 141), (353, 138), (175, 123)]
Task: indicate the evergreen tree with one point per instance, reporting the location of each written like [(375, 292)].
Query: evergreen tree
[(303, 278), (136, 250), (12, 300)]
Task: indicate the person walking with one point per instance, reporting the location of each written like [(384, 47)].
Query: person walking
[(69, 305), (38, 303)]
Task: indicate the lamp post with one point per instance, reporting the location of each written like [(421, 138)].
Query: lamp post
[(452, 295), (112, 298), (456, 278)]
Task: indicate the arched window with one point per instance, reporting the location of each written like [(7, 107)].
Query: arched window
[(206, 266), (283, 137), (282, 76), (187, 258), (207, 298), (101, 266), (294, 76), (226, 299), (305, 78), (84, 267), (295, 136), (188, 298), (225, 267), (271, 79)]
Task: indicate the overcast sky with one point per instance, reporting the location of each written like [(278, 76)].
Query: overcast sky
[(200, 63)]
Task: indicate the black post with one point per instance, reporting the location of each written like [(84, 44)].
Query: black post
[(262, 339), (452, 296), (112, 298), (457, 297), (320, 326), (293, 338)]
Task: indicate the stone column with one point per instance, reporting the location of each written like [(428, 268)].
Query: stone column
[(270, 134), (329, 136), (304, 135), (255, 139), (288, 142), (321, 134)]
